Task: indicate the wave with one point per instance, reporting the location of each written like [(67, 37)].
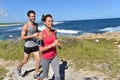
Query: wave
[(63, 31), (55, 23), (14, 29), (68, 31), (110, 29), (41, 27)]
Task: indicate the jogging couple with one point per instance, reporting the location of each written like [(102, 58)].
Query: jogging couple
[(44, 49)]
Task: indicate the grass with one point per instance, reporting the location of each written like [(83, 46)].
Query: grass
[(10, 23), (100, 56), (2, 73), (11, 50), (88, 54)]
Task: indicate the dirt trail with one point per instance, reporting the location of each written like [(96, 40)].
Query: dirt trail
[(66, 72)]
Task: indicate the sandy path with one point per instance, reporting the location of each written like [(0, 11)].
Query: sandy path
[(66, 73)]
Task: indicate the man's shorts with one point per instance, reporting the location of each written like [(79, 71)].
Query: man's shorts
[(29, 50)]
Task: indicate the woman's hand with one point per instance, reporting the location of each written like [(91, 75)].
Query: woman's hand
[(59, 46), (55, 43)]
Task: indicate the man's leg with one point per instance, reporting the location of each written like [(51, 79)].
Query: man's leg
[(37, 58), (24, 61)]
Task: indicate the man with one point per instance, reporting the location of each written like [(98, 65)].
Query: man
[(29, 34)]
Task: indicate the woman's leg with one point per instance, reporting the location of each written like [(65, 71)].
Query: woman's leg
[(45, 67), (55, 65)]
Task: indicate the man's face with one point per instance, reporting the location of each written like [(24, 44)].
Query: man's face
[(32, 17)]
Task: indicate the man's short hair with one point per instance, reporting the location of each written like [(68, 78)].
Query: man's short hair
[(30, 11)]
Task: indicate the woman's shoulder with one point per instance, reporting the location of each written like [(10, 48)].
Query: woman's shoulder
[(53, 30), (41, 32), (41, 35)]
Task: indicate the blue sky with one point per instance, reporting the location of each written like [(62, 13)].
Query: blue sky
[(62, 10)]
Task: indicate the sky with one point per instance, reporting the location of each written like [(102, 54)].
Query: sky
[(61, 10)]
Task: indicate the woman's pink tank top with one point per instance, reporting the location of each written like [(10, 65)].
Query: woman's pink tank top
[(50, 53)]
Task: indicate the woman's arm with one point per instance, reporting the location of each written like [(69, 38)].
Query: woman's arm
[(41, 47), (59, 45)]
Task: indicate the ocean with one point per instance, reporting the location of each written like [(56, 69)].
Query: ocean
[(67, 28)]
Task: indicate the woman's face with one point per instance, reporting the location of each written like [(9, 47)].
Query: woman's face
[(49, 22)]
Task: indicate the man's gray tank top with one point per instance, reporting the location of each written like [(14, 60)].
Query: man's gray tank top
[(32, 42)]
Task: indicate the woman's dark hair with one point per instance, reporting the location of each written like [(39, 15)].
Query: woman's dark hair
[(45, 16), (29, 12)]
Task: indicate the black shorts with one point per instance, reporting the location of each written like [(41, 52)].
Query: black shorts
[(29, 50)]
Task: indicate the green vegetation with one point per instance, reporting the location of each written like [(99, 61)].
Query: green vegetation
[(87, 54), (10, 23), (2, 72), (11, 50)]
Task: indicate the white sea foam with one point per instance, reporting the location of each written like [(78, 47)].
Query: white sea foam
[(67, 31), (19, 28), (111, 29), (55, 23), (42, 27)]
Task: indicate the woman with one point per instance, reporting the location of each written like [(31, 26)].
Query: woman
[(48, 48)]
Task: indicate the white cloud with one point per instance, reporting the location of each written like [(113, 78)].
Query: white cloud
[(3, 13)]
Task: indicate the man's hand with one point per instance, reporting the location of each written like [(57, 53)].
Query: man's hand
[(35, 34)]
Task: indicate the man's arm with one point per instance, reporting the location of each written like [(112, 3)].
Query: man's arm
[(24, 33)]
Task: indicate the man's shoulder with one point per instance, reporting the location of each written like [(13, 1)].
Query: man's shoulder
[(25, 25), (36, 24)]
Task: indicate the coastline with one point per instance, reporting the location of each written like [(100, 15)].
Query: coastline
[(10, 24), (107, 35)]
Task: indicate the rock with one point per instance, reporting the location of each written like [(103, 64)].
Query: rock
[(107, 35)]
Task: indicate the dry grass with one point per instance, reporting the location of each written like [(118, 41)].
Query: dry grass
[(101, 55)]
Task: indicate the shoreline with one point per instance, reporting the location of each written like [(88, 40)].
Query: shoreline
[(107, 35), (10, 24)]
